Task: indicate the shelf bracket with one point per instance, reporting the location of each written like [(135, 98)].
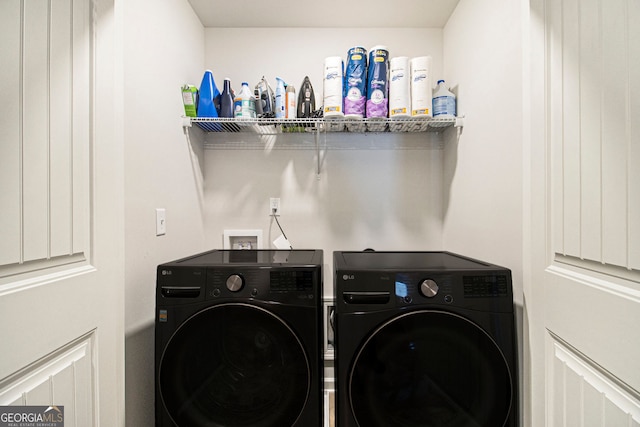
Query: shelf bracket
[(316, 136), (186, 122)]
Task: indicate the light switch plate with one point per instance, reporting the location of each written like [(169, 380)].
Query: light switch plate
[(161, 222)]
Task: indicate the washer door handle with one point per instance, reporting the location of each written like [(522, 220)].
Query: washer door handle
[(180, 291), (366, 297)]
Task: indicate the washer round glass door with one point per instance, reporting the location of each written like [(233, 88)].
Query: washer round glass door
[(234, 365), (430, 368)]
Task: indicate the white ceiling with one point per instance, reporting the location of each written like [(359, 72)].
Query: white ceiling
[(324, 13)]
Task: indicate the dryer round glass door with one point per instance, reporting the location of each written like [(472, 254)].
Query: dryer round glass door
[(430, 368), (234, 365)]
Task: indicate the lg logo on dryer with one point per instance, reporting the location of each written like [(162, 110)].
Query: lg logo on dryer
[(353, 276)]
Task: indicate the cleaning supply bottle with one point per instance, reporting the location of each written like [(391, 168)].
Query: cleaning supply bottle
[(291, 102), (244, 106), (208, 96), (226, 100), (444, 102), (280, 99)]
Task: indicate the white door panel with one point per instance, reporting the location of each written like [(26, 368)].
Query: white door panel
[(582, 394), (584, 289), (9, 131), (64, 376), (45, 160), (599, 316), (61, 209)]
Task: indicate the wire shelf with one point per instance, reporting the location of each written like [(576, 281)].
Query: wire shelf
[(269, 126)]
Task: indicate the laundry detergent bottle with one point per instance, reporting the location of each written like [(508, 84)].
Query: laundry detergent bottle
[(209, 96)]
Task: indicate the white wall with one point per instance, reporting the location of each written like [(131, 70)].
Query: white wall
[(483, 168), (164, 48), (364, 199), (385, 198), (246, 54)]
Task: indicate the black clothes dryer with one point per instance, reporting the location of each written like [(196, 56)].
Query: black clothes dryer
[(238, 340), (424, 339)]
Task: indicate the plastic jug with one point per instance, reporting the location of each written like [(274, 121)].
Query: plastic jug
[(245, 104), (444, 102), (209, 96)]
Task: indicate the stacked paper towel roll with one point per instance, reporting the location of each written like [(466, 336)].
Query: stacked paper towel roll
[(421, 87), (333, 75), (354, 89), (378, 83), (399, 88)]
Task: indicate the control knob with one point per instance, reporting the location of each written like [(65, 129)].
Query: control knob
[(235, 282), (429, 288)]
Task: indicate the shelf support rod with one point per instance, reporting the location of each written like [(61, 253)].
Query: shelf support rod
[(317, 138)]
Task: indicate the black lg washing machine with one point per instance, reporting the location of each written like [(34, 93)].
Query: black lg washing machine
[(424, 339), (239, 340)]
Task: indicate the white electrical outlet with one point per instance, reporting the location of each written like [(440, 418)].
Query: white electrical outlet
[(274, 206)]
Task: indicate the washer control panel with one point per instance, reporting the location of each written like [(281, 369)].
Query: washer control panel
[(357, 291), (273, 284), (369, 280)]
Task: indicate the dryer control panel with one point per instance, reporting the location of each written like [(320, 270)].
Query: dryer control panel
[(291, 277)]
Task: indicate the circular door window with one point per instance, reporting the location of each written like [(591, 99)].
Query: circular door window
[(430, 368), (234, 365)]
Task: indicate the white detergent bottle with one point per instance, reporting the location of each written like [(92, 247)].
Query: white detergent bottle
[(444, 102), (244, 106), (281, 102)]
